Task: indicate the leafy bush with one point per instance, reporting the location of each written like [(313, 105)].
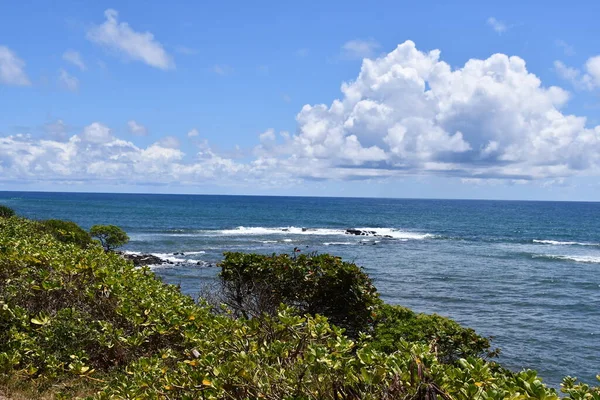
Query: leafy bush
[(110, 236), (66, 232), (313, 284), (6, 212), (86, 322), (448, 339)]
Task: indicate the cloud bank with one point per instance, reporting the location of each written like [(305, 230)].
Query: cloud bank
[(406, 113)]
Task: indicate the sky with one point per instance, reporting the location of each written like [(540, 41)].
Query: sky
[(429, 99)]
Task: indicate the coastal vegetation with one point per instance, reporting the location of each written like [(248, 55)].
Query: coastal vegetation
[(110, 236), (77, 320)]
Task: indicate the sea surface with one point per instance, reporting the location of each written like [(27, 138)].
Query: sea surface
[(527, 273)]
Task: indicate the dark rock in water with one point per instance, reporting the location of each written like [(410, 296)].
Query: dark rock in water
[(357, 232), (178, 254), (142, 259), (304, 229)]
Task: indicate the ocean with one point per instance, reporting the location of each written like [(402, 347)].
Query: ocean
[(526, 273)]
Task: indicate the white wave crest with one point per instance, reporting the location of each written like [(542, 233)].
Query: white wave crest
[(242, 230), (338, 243), (581, 259), (396, 233), (171, 258), (391, 233), (559, 243)]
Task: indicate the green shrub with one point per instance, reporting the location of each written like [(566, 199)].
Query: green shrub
[(313, 284), (66, 232), (448, 339), (6, 212), (110, 236), (76, 322)]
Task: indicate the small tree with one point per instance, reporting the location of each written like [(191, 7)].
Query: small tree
[(6, 212), (110, 236)]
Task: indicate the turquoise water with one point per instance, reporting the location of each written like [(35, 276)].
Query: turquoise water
[(527, 273)]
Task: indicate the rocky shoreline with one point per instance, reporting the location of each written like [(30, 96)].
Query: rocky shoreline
[(140, 260), (360, 232)]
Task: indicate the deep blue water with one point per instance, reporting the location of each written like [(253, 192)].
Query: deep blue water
[(527, 273)]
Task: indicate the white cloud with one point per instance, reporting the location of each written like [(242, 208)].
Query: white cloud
[(411, 113), (193, 133), (170, 142), (592, 66), (120, 37), (498, 26), (358, 49), (69, 82), (74, 58), (96, 133), (589, 79), (407, 113), (136, 128), (12, 68), (267, 136), (94, 155)]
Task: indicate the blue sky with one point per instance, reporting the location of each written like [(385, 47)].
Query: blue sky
[(458, 99)]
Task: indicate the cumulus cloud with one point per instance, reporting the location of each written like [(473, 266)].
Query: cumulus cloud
[(68, 81), (498, 26), (12, 68), (120, 37), (193, 133), (95, 155), (74, 58), (358, 49), (407, 113), (136, 128), (588, 79)]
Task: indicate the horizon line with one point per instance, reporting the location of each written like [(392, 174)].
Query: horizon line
[(301, 196)]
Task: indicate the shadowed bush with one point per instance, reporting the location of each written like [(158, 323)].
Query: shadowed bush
[(254, 284), (6, 212), (66, 232)]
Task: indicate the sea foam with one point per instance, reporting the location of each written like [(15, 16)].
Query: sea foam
[(580, 259), (292, 230), (559, 243)]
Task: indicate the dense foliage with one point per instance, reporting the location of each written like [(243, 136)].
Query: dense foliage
[(448, 339), (87, 322), (110, 236), (6, 212), (312, 284), (67, 232)]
